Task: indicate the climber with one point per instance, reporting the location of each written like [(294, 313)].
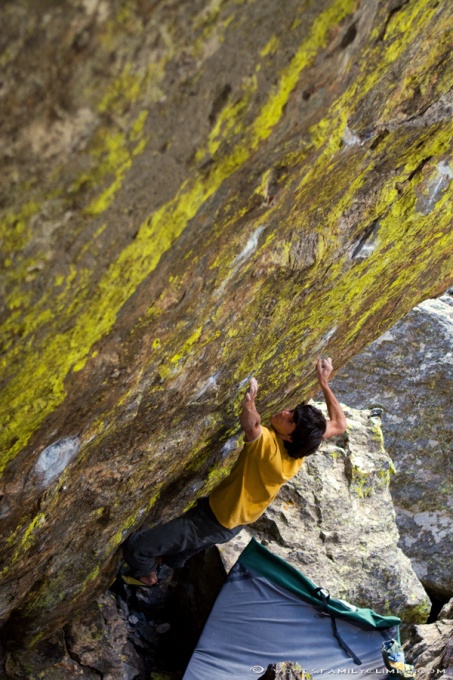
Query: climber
[(270, 457)]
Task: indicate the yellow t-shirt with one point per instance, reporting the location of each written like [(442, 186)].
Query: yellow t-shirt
[(262, 468)]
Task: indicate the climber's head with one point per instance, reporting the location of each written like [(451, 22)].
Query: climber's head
[(301, 429)]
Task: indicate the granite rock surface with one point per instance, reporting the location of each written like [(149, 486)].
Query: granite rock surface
[(430, 648), (408, 373)]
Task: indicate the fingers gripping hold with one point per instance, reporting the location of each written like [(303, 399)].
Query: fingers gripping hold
[(324, 368), (252, 390)]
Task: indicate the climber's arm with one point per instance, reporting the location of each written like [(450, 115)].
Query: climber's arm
[(337, 420), (250, 419)]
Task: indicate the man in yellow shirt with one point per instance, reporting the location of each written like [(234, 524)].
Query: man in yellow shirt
[(270, 457)]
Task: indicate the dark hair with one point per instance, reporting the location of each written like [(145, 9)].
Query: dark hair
[(310, 427)]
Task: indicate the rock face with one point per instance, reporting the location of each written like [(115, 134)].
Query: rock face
[(431, 647), (192, 193), (335, 522), (98, 640), (133, 634), (408, 372), (94, 644)]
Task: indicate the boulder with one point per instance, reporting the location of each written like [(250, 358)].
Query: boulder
[(192, 193), (335, 522), (98, 639), (430, 647), (94, 644), (408, 373)]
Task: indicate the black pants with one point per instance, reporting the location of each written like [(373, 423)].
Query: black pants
[(177, 540)]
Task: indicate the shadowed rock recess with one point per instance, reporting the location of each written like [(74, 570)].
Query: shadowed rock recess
[(192, 193)]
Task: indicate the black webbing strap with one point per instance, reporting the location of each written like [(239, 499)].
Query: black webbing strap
[(325, 597)]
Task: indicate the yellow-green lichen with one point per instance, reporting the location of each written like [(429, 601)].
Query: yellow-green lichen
[(209, 26), (115, 157), (92, 576), (14, 228), (131, 521), (23, 536), (402, 22), (362, 483), (271, 47), (187, 346), (217, 475), (273, 108), (158, 233), (127, 87), (376, 434)]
